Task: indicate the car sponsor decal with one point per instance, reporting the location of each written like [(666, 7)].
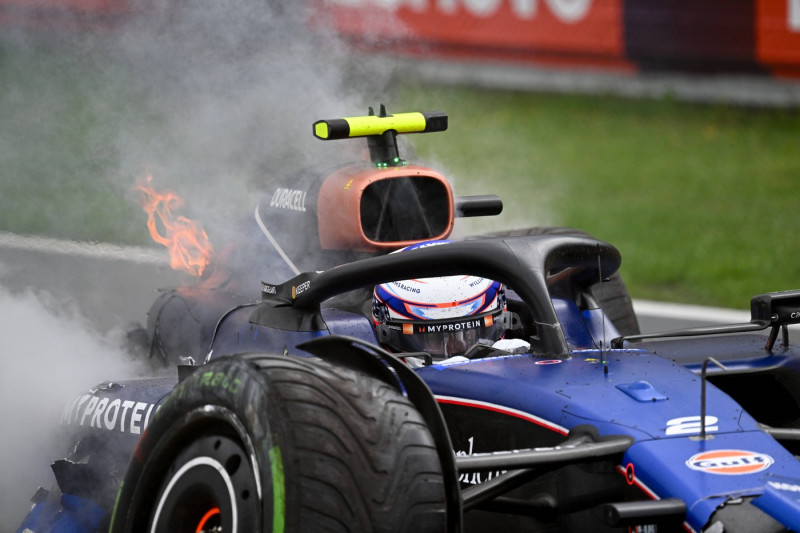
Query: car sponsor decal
[(292, 199), (729, 462), (299, 289), (784, 486), (112, 414), (475, 478), (454, 326), (268, 289), (407, 288)]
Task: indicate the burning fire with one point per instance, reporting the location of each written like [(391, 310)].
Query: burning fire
[(187, 242)]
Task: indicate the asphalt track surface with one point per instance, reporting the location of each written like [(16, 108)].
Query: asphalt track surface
[(113, 286)]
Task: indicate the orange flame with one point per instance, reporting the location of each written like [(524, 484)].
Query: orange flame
[(187, 242)]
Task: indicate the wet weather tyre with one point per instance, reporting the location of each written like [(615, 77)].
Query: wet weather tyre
[(268, 443), (612, 295)]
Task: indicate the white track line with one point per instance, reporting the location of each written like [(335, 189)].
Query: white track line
[(94, 250), (693, 313), (153, 256)]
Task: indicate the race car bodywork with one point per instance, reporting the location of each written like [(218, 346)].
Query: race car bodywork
[(589, 429)]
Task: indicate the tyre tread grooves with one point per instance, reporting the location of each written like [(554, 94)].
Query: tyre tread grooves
[(359, 443)]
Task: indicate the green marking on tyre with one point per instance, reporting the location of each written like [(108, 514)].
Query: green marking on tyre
[(116, 503), (278, 490)]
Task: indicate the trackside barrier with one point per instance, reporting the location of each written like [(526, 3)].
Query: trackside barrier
[(745, 36), (753, 36)]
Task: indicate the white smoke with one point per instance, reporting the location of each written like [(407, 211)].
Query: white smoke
[(51, 354), (214, 99), (231, 88)]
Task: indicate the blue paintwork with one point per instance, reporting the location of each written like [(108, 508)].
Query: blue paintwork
[(578, 391), (236, 334), (71, 514), (780, 499), (662, 468), (236, 337)]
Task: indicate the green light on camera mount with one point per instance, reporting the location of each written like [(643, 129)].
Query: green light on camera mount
[(395, 162)]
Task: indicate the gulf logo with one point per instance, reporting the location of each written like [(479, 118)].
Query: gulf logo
[(730, 462)]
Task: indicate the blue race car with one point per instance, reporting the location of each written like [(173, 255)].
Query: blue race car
[(341, 398)]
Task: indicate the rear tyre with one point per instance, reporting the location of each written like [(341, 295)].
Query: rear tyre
[(612, 295), (267, 443)]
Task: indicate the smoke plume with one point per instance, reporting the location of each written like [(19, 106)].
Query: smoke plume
[(52, 354), (213, 98)]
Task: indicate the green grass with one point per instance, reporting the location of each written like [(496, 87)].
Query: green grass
[(60, 116), (701, 200)]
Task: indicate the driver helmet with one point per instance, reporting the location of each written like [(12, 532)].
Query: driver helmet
[(442, 316)]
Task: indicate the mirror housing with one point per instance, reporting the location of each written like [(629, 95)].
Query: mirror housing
[(364, 208), (776, 308)]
